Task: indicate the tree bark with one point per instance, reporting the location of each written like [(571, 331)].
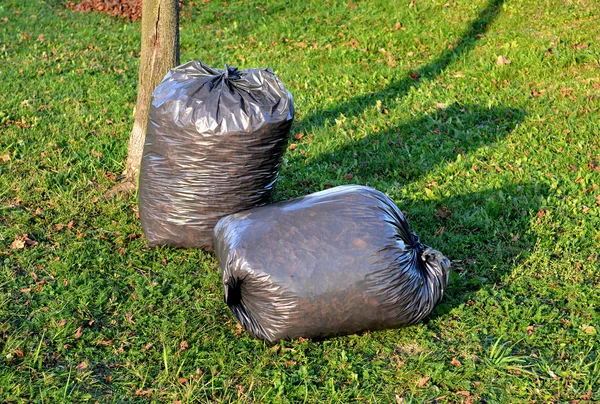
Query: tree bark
[(160, 53)]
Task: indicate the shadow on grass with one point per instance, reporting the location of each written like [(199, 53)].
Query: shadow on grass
[(408, 151), (487, 233), (430, 71)]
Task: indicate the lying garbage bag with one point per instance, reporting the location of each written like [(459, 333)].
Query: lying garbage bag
[(335, 262), (213, 147)]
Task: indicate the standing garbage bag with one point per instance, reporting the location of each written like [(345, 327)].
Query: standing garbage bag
[(213, 147), (331, 263)]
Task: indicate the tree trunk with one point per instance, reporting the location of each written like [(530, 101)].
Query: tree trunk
[(160, 53)]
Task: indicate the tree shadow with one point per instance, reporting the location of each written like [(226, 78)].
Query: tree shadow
[(408, 151), (486, 234), (401, 87)]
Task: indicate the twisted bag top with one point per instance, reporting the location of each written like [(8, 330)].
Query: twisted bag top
[(213, 147), (334, 262)]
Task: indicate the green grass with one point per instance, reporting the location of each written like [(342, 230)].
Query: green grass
[(89, 313)]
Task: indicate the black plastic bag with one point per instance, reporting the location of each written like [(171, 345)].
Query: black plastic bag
[(335, 262), (213, 147)]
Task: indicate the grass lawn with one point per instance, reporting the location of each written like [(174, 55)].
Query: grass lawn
[(479, 118)]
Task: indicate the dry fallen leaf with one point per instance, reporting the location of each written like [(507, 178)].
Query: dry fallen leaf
[(463, 393), (348, 177), (96, 154), (18, 244), (292, 146), (62, 322), (501, 61), (298, 136), (443, 213), (141, 392), (77, 333), (82, 366), (455, 362), (423, 381), (439, 105), (588, 329), (5, 157)]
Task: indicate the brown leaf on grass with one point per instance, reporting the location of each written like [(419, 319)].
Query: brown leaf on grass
[(5, 157), (141, 392), (455, 362), (292, 146), (183, 380), (535, 93), (463, 393), (415, 75), (440, 231), (78, 333), (96, 154), (440, 105), (501, 61), (423, 381), (298, 136), (19, 353), (412, 3), (588, 329), (586, 396), (105, 342), (62, 322), (82, 366), (18, 244), (129, 318), (302, 339), (443, 213), (348, 177)]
